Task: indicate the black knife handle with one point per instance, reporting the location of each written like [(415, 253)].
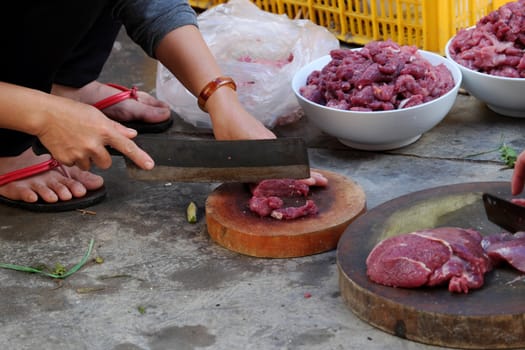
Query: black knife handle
[(39, 148)]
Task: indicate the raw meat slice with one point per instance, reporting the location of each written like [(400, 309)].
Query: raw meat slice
[(406, 260), (267, 197), (265, 205), (506, 247), (281, 188), (289, 213), (518, 201), (430, 257)]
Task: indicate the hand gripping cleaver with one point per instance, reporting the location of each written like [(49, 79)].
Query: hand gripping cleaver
[(504, 213), (185, 160)]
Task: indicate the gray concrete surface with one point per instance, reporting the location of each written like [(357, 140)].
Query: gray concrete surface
[(165, 285)]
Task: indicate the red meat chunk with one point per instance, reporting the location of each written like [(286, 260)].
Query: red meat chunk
[(429, 258), (281, 188), (267, 197), (380, 76), (519, 201), (264, 205), (406, 260), (496, 44), (506, 247), (289, 213)]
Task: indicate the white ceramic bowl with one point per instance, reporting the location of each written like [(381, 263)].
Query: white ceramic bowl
[(502, 95), (379, 130)]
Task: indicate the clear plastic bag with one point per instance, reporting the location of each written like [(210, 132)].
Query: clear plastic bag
[(261, 51)]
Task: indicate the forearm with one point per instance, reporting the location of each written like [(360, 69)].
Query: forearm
[(185, 53), (23, 109)]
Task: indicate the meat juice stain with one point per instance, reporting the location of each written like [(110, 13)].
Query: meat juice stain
[(432, 212), (400, 329)]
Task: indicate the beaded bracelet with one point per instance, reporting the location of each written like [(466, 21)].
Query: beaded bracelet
[(211, 87)]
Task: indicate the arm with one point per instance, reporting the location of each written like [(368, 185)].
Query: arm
[(74, 133), (518, 176), (185, 53), (167, 31)]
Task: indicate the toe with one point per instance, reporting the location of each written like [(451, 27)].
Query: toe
[(45, 192), (149, 113), (86, 179), (67, 189), (17, 192)]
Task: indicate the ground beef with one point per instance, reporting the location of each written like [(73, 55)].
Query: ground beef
[(496, 44), (268, 197), (429, 258), (380, 76)]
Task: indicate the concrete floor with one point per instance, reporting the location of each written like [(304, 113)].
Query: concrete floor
[(165, 285)]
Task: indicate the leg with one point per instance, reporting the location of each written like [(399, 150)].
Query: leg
[(86, 61), (45, 34), (77, 77)]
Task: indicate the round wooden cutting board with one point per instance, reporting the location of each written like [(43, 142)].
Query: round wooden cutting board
[(492, 317), (231, 224)]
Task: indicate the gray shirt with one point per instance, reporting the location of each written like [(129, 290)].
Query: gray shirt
[(148, 21)]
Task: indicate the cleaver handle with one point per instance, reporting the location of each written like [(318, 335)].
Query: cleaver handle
[(39, 148)]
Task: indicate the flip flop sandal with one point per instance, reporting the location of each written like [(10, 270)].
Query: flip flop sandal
[(141, 127), (91, 197)]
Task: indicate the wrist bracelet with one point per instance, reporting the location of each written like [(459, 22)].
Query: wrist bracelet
[(211, 87)]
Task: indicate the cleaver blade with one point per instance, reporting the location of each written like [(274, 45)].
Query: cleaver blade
[(191, 160), (504, 213)]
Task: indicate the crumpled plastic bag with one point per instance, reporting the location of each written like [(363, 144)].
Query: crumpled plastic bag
[(261, 51)]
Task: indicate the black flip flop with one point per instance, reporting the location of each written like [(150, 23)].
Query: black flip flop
[(91, 198), (150, 128)]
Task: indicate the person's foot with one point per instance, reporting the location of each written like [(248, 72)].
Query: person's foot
[(51, 186), (55, 185), (147, 108)]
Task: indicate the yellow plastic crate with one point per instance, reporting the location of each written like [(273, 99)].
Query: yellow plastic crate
[(427, 24)]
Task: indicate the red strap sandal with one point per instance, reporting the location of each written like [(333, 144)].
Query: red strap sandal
[(118, 97), (140, 126), (30, 171), (91, 197)]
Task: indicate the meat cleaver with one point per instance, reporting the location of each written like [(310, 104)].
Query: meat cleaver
[(186, 160), (504, 213), (191, 160)]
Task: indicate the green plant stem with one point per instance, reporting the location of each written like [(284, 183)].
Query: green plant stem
[(52, 275)]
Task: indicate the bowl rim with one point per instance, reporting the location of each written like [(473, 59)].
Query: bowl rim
[(469, 70), (453, 90)]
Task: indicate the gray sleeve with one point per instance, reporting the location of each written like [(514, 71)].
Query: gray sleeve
[(148, 21)]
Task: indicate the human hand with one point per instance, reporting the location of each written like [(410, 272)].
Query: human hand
[(316, 179), (77, 134), (233, 122), (518, 176)]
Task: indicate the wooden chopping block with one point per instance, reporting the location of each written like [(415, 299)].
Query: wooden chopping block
[(231, 224), (492, 317)]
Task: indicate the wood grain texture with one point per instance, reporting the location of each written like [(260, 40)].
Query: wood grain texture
[(492, 317), (231, 224)]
